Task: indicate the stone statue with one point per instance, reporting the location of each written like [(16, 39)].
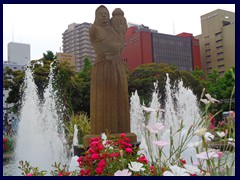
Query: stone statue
[(109, 102)]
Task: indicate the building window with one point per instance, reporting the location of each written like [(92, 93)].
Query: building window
[(209, 68), (221, 72), (219, 47), (207, 50), (206, 37), (220, 60), (208, 56), (225, 23), (207, 44), (218, 41), (220, 53), (209, 62), (221, 66), (218, 33)]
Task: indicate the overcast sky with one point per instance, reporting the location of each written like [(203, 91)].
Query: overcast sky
[(42, 25)]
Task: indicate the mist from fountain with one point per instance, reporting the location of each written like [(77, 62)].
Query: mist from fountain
[(40, 137), (180, 105)]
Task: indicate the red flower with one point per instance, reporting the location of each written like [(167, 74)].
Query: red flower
[(152, 170), (94, 156), (99, 170), (60, 174), (128, 150), (142, 159), (192, 174), (102, 164), (85, 172), (127, 139), (4, 140), (122, 135), (183, 161), (100, 147)]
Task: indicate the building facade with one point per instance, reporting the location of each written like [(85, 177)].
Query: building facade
[(70, 58), (172, 50), (217, 41), (143, 45), (76, 41), (18, 53)]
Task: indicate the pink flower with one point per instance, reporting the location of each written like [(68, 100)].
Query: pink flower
[(29, 174), (60, 174), (128, 150), (207, 155), (154, 127), (124, 172), (160, 144)]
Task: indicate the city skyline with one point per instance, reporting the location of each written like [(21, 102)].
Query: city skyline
[(42, 25)]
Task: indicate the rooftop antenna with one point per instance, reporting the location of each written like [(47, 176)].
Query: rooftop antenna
[(173, 28), (12, 33)]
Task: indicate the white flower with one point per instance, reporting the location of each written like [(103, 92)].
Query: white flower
[(232, 143), (221, 134), (160, 144), (124, 172), (148, 109), (155, 127), (205, 101), (201, 132), (212, 100), (208, 136), (104, 137), (192, 169), (194, 144), (136, 166), (230, 139), (176, 171)]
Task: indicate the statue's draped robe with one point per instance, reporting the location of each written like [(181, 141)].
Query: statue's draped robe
[(109, 102)]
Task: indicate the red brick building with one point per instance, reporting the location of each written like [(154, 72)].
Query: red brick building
[(195, 49), (138, 48), (143, 45)]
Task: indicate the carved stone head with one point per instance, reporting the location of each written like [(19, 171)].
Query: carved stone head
[(102, 17)]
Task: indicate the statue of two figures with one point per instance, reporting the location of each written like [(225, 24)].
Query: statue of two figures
[(109, 99)]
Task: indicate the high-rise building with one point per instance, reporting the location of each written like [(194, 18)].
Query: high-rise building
[(217, 41), (76, 41), (18, 53), (143, 45)]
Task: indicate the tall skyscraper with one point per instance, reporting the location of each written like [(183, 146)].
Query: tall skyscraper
[(217, 41), (18, 53), (76, 41)]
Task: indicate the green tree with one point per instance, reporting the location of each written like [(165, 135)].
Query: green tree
[(142, 78), (49, 56), (84, 81)]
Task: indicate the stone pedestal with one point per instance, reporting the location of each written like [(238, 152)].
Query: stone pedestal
[(131, 136)]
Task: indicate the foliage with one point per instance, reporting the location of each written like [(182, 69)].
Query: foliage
[(83, 125), (49, 56), (143, 76), (28, 170), (221, 88)]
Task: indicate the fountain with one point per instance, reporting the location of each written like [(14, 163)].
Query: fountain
[(40, 137), (180, 105)]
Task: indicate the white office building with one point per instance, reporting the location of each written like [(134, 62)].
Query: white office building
[(18, 53)]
